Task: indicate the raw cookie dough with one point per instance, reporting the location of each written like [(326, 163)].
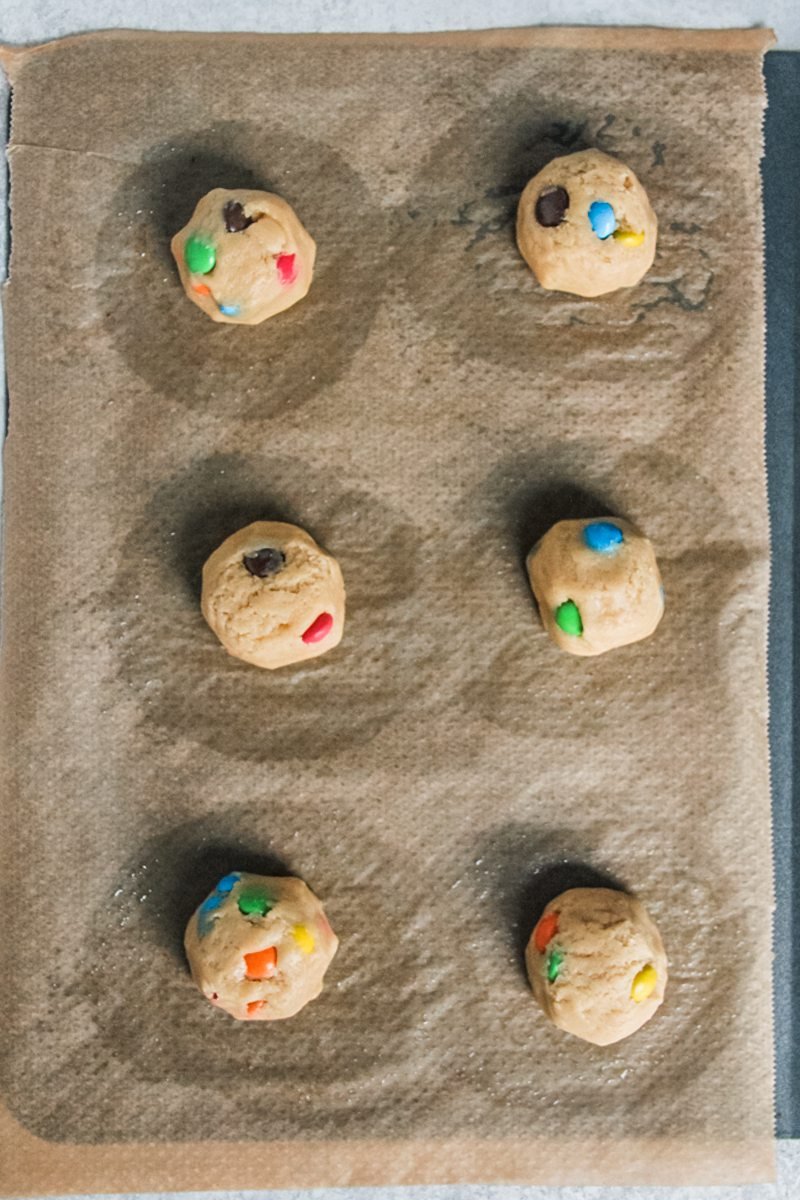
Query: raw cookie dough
[(244, 256), (597, 584), (273, 596), (585, 225), (597, 964), (259, 946)]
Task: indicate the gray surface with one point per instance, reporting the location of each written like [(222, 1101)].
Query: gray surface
[(781, 174), (21, 22), (25, 21)]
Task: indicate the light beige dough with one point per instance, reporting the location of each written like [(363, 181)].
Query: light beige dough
[(569, 256), (617, 593), (259, 946), (259, 270), (294, 612), (608, 961)]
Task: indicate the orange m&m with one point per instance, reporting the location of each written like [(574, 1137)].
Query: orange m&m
[(546, 928), (261, 964)]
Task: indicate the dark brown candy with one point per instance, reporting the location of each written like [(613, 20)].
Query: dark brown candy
[(236, 218), (264, 562), (551, 206)]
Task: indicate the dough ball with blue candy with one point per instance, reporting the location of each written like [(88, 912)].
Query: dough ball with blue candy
[(244, 256), (597, 585), (585, 225), (259, 946)]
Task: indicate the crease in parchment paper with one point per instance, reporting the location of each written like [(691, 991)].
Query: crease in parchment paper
[(17, 147)]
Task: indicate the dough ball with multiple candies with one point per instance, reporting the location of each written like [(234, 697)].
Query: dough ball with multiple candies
[(259, 946), (272, 596), (597, 585), (244, 256), (596, 964), (585, 225)]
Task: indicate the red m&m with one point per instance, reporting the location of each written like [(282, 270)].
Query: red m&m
[(318, 629)]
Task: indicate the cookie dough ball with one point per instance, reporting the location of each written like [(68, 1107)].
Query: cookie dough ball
[(244, 256), (597, 585), (259, 946), (585, 225), (272, 596), (596, 964)]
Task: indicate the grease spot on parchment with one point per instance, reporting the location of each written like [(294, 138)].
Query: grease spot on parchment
[(186, 684), (518, 866), (169, 342), (326, 1072), (514, 506), (467, 279)]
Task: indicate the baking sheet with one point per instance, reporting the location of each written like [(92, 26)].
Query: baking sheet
[(426, 413), (781, 169)]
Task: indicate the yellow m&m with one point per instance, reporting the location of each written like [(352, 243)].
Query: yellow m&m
[(628, 237), (643, 983), (304, 938)]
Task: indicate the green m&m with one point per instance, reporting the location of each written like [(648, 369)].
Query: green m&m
[(568, 618), (554, 961), (199, 255), (254, 900)]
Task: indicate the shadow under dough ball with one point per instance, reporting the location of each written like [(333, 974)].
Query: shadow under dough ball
[(585, 225), (597, 585), (259, 946), (596, 964), (244, 256), (273, 596)]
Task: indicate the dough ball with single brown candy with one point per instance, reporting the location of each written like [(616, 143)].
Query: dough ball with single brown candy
[(259, 946), (272, 596), (596, 964), (597, 584), (585, 225), (244, 256)]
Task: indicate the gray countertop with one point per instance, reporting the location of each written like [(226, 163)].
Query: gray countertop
[(22, 21)]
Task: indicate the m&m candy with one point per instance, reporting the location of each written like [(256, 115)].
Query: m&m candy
[(602, 219), (261, 964), (603, 537), (286, 265), (554, 964), (545, 930), (644, 983), (199, 255), (628, 237), (254, 901), (318, 629), (304, 938), (568, 618)]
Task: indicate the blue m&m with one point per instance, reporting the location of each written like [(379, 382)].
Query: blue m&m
[(228, 883), (206, 911), (603, 537), (230, 310), (602, 219)]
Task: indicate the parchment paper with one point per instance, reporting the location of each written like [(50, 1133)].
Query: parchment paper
[(427, 412)]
